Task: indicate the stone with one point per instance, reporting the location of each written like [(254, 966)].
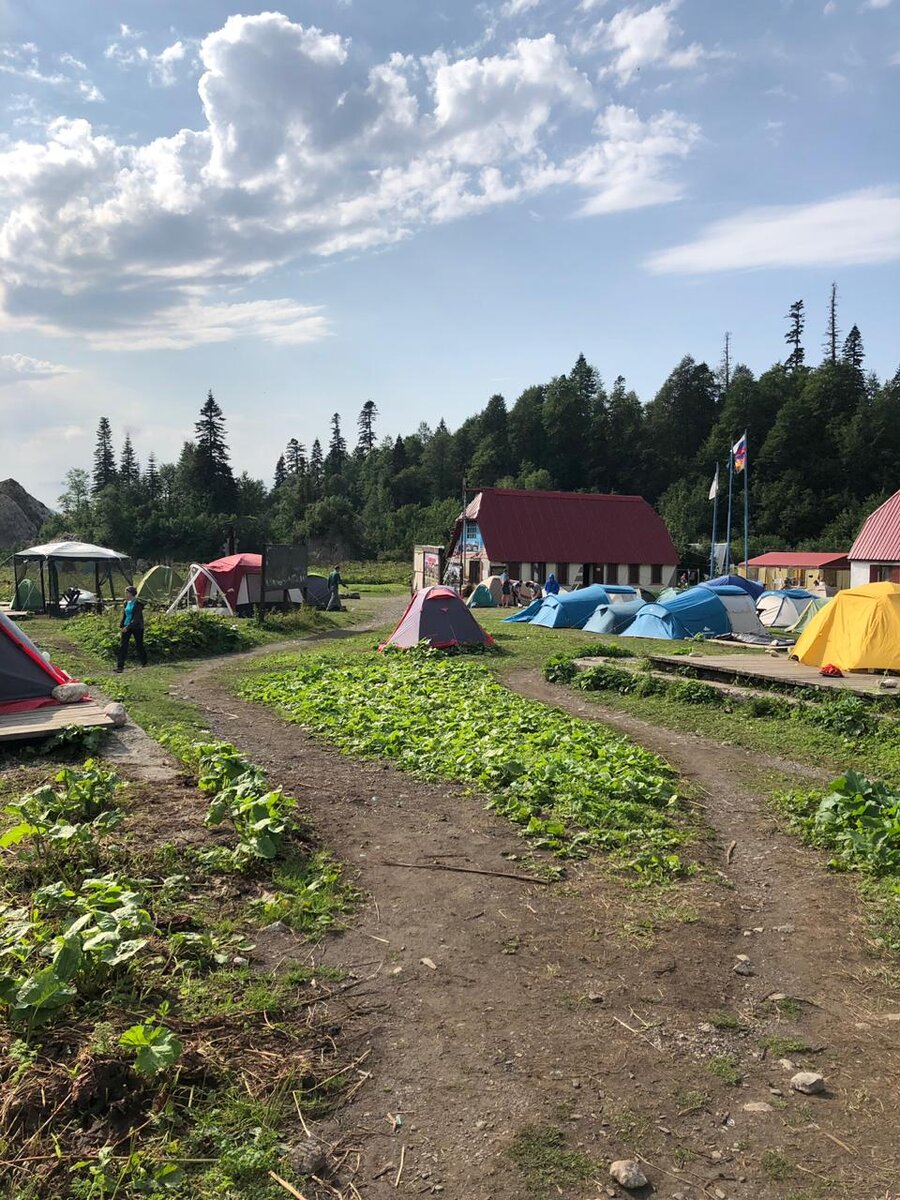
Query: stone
[(308, 1157), (757, 1106), (117, 712), (743, 966), (69, 693), (628, 1173), (276, 927), (810, 1083)]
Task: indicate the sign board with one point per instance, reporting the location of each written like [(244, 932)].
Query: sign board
[(285, 567)]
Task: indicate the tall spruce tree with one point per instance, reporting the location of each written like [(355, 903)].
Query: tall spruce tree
[(366, 425), (104, 458), (794, 336), (151, 478), (295, 457), (337, 449), (852, 353), (213, 478), (280, 471), (316, 469), (832, 333), (129, 468)]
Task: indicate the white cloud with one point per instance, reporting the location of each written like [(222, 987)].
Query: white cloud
[(161, 68), (515, 8), (836, 81), (878, 3), (894, 60), (19, 368), (639, 38), (305, 151), (853, 230), (830, 8), (23, 62)]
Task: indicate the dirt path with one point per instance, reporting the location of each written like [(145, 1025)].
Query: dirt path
[(583, 1006)]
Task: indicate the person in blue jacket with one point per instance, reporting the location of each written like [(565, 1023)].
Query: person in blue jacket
[(551, 587), (132, 626)]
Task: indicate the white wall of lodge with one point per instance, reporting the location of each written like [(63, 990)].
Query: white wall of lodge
[(645, 575)]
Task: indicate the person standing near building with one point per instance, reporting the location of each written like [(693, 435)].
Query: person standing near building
[(132, 626), (335, 583), (551, 587), (505, 590)]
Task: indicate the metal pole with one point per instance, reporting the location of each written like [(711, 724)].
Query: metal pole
[(746, 504), (462, 544), (728, 523), (712, 549)]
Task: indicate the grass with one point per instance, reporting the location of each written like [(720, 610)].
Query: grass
[(780, 1047), (721, 1019), (545, 1164), (256, 1043), (727, 1068), (776, 1165)]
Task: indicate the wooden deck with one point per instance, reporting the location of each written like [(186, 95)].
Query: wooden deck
[(42, 722), (767, 669)]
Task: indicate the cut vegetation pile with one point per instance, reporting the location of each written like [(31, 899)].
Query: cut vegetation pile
[(571, 785), (143, 1055)]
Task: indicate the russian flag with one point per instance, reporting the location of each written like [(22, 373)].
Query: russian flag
[(739, 450)]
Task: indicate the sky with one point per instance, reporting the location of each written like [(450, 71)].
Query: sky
[(316, 203)]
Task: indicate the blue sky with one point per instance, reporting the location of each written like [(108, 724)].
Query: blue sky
[(421, 202)]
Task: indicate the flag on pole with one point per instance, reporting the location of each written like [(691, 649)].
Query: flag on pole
[(714, 488), (739, 450)]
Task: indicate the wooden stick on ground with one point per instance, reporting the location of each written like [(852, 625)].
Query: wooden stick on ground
[(729, 853), (465, 871), (288, 1187), (400, 1172)]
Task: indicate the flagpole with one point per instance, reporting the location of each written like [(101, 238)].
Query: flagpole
[(712, 548), (728, 522), (746, 504)]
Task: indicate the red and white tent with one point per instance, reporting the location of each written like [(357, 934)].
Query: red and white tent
[(236, 580), (437, 615), (27, 679)]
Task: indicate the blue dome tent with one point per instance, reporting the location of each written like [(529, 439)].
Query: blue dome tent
[(572, 609), (613, 618), (750, 586), (708, 611)]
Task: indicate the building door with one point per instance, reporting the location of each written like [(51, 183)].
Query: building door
[(474, 571)]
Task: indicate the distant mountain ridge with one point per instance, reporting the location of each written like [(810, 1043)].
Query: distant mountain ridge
[(21, 516)]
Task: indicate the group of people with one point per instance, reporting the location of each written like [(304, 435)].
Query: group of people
[(514, 592)]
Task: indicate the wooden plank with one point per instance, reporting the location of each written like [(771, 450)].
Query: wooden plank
[(41, 722), (764, 667)]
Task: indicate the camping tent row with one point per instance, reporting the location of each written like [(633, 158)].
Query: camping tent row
[(235, 582), (727, 605)]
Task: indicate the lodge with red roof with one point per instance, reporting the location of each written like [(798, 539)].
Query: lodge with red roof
[(582, 538), (800, 569), (875, 555)]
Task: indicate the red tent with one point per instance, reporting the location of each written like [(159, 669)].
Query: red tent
[(27, 680), (230, 573), (438, 616)]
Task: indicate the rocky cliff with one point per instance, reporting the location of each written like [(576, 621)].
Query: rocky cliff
[(21, 516)]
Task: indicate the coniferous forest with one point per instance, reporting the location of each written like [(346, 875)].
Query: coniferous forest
[(824, 450)]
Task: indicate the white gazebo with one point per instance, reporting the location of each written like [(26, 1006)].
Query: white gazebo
[(60, 567)]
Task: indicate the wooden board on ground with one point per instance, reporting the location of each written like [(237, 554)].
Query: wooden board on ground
[(768, 669), (42, 722)]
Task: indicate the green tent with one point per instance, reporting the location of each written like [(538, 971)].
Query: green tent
[(160, 585), (482, 597), (28, 596), (817, 603)]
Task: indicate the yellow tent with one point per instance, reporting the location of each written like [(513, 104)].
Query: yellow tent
[(858, 630)]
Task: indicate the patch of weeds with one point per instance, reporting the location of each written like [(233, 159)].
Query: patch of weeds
[(308, 893), (776, 1165), (691, 1101), (642, 932), (545, 1163), (683, 1156), (722, 1019), (789, 1007), (727, 1068), (780, 1047), (627, 1123)]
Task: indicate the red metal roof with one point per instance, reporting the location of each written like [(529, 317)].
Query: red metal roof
[(879, 538), (570, 527), (800, 558)]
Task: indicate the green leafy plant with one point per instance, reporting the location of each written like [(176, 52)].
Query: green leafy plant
[(571, 785), (857, 817), (154, 1046)]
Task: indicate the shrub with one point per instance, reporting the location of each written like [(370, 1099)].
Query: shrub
[(168, 636), (857, 817), (850, 716), (560, 669)]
